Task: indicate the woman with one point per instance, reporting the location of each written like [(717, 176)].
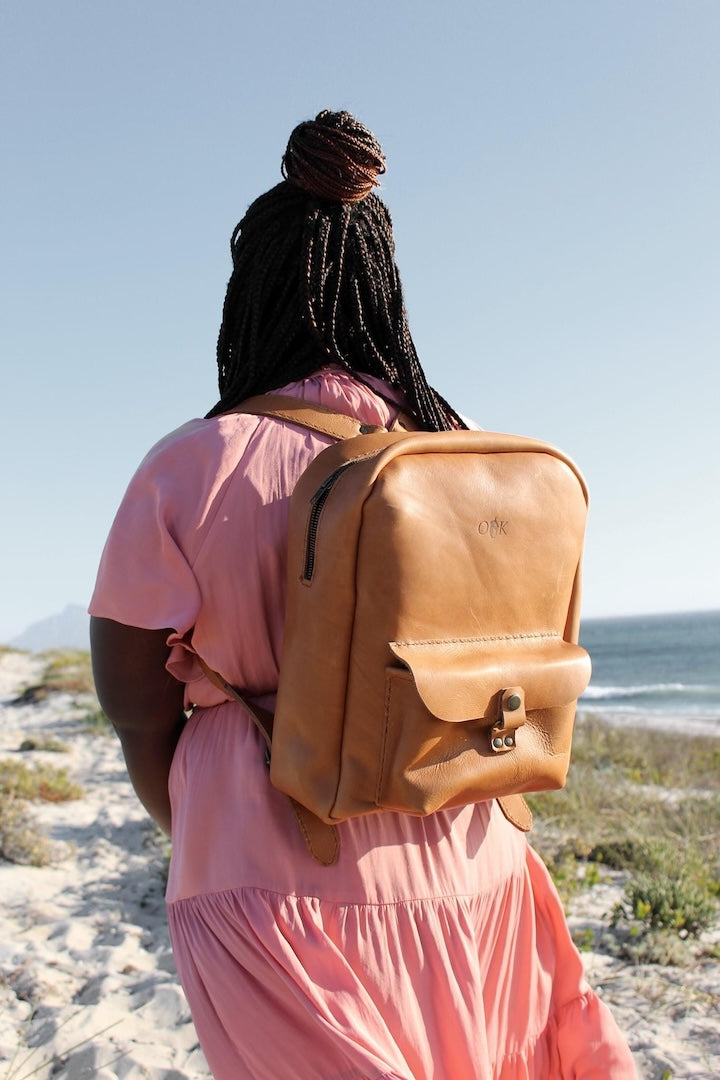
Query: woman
[(433, 947)]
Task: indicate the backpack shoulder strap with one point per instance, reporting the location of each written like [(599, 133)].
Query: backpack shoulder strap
[(315, 417), (321, 839)]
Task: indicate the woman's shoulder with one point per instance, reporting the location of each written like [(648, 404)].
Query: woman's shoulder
[(187, 465), (175, 440), (201, 441)]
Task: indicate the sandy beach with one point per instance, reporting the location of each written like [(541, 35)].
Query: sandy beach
[(87, 982)]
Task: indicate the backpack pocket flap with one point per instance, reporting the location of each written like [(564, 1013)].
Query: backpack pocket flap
[(461, 680)]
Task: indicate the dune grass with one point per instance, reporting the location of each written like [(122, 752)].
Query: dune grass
[(37, 782), (67, 671), (646, 803), (22, 839)]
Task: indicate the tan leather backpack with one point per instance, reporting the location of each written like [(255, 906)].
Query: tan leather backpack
[(430, 654)]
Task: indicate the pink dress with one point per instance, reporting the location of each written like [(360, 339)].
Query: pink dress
[(436, 948)]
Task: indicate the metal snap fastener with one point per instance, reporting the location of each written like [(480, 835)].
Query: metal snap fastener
[(513, 702)]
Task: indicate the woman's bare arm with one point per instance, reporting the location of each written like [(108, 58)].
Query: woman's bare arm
[(143, 702)]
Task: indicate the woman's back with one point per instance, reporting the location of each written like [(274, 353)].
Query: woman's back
[(434, 948)]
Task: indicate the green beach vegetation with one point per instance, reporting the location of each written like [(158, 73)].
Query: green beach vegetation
[(67, 671), (22, 838), (37, 782), (645, 803)]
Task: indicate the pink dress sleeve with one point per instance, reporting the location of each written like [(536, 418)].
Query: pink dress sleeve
[(144, 578)]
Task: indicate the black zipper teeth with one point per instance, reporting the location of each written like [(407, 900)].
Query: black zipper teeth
[(317, 502)]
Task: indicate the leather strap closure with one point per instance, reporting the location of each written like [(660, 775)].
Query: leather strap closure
[(321, 839), (511, 716)]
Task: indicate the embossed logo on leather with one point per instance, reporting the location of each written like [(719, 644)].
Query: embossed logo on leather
[(493, 528)]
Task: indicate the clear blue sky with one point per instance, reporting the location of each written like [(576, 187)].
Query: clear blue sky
[(554, 171)]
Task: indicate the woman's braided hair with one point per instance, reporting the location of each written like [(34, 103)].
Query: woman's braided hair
[(314, 278)]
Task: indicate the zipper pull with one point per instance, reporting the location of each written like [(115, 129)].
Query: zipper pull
[(328, 483)]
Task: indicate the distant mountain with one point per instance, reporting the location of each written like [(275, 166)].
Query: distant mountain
[(68, 630)]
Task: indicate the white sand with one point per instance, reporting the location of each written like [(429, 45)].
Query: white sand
[(87, 983), (670, 1015), (86, 972)]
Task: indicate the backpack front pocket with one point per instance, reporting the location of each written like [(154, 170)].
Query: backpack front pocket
[(467, 721)]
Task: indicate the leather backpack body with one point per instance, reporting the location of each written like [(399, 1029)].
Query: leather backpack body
[(430, 654)]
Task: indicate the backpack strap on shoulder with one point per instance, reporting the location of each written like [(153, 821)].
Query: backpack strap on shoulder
[(316, 417)]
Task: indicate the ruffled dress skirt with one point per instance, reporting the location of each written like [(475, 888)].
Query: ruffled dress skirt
[(435, 949)]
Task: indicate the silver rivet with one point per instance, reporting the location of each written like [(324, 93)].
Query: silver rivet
[(509, 740), (497, 743), (513, 702)]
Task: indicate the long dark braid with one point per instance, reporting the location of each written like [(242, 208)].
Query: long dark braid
[(314, 278)]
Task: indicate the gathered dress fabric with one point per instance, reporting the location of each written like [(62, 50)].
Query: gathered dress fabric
[(435, 948)]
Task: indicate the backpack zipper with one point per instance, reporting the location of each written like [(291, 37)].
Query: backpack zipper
[(317, 502)]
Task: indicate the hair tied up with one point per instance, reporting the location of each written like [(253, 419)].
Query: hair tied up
[(333, 157)]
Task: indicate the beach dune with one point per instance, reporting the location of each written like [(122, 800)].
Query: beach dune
[(87, 983)]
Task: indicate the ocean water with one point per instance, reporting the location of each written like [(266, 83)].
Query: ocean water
[(655, 670)]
